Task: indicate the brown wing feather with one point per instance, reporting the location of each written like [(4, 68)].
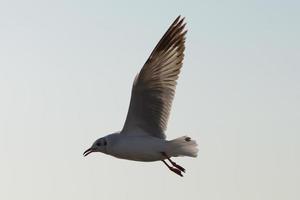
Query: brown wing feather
[(154, 87)]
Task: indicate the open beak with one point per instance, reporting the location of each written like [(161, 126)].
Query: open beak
[(88, 151)]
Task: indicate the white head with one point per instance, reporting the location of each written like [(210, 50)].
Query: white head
[(102, 144), (99, 145)]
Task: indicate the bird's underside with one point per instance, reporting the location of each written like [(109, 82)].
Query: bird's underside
[(146, 148)]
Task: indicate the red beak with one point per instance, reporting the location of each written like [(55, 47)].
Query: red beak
[(88, 151)]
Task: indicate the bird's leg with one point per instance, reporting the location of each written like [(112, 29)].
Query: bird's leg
[(176, 165), (173, 163), (173, 169)]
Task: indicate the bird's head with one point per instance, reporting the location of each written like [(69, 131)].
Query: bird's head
[(99, 145)]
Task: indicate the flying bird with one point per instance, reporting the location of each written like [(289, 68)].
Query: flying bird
[(143, 135)]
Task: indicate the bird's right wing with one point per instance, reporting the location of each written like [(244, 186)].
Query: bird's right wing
[(154, 87)]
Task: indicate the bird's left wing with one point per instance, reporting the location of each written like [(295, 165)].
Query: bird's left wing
[(154, 87)]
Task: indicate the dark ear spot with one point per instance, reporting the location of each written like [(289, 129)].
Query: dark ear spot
[(187, 139), (98, 144)]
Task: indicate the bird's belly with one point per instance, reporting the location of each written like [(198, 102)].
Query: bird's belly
[(139, 149)]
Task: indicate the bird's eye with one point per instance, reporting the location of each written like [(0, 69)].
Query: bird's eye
[(98, 144), (105, 143)]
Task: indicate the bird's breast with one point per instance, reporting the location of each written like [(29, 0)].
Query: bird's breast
[(138, 148)]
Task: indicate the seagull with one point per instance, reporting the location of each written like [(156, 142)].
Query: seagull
[(143, 135)]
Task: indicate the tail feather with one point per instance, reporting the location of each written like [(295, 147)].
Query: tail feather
[(182, 146)]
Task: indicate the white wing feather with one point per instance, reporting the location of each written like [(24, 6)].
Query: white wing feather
[(154, 87)]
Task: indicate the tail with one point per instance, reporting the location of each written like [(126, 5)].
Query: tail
[(182, 146)]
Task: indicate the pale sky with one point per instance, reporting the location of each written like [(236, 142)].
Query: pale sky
[(66, 70)]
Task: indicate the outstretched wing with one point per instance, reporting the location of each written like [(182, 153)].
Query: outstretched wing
[(154, 87)]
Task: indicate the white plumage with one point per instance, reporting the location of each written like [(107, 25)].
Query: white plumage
[(143, 135)]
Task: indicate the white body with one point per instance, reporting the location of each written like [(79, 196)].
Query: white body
[(138, 148), (143, 147)]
